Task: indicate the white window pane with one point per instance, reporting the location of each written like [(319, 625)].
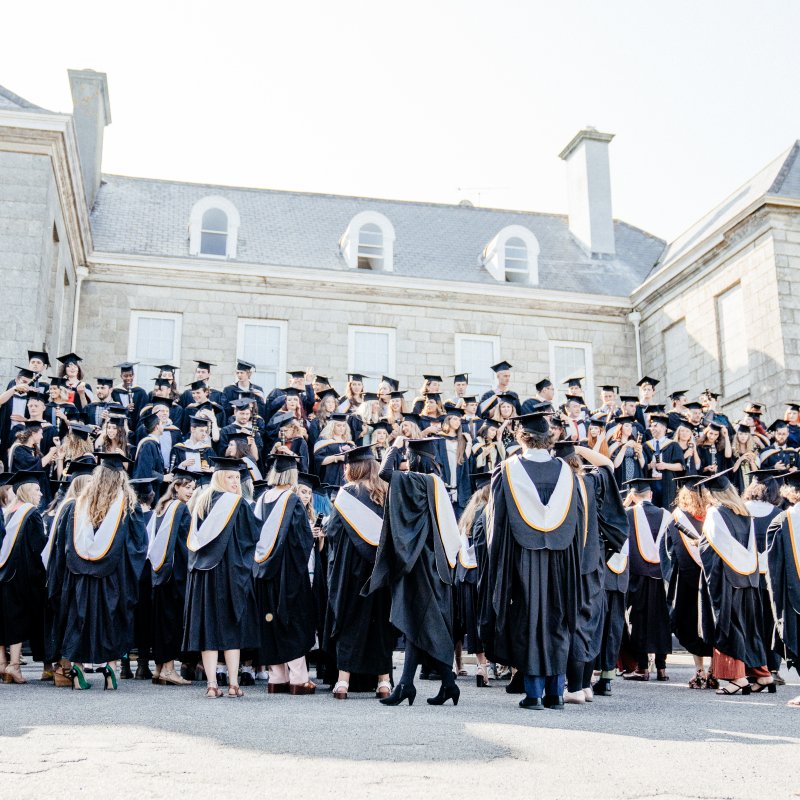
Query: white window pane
[(676, 352), (570, 361), (261, 345), (215, 220), (476, 357), (154, 344), (213, 244), (732, 341), (371, 356)]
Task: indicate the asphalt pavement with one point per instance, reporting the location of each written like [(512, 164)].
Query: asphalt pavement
[(647, 740)]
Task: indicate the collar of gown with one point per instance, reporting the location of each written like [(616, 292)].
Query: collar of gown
[(534, 454)]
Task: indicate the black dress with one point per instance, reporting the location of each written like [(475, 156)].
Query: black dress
[(357, 629), (783, 576), (22, 579), (99, 593), (466, 599), (168, 559), (286, 609), (54, 559), (220, 610)]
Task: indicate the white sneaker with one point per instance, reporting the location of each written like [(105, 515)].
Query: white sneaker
[(576, 698), (588, 694), (262, 676)]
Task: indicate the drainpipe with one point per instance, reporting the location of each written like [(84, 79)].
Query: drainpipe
[(635, 319), (81, 273)]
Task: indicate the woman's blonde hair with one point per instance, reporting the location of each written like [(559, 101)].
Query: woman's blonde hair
[(75, 447), (201, 501), (25, 495), (727, 498), (286, 478), (790, 493), (478, 500), (309, 509), (102, 489), (365, 473), (327, 431)]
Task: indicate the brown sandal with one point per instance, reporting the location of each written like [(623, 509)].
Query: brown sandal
[(699, 680), (235, 691), (213, 693)]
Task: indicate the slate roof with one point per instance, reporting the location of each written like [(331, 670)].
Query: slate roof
[(140, 216), (13, 102), (780, 177)]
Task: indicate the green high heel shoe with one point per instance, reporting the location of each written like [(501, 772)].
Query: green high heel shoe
[(110, 677), (77, 678)]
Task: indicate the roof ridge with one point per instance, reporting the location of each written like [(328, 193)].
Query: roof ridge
[(20, 101), (785, 169), (331, 195)]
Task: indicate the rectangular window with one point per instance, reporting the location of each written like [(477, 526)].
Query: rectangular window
[(732, 342), (154, 338), (676, 355), (475, 355), (263, 342), (371, 351), (572, 359)]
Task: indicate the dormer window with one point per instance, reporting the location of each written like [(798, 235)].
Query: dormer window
[(368, 242), (213, 228), (513, 256)]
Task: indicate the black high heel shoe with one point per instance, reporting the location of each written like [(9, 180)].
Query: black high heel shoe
[(756, 687), (401, 692), (445, 693)]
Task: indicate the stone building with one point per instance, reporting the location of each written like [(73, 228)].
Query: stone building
[(117, 267)]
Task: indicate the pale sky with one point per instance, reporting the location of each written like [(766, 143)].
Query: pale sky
[(431, 101)]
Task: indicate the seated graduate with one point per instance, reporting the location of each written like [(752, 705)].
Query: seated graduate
[(106, 544), (783, 574), (286, 610), (193, 454), (357, 630), (220, 611), (416, 560), (22, 575), (537, 528)]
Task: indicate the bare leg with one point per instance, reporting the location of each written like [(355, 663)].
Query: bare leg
[(209, 658), (232, 663)]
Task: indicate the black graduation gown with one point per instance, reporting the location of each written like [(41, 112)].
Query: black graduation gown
[(783, 577), (489, 398), (55, 569), (607, 528), (535, 578), (134, 396), (730, 602), (664, 491), (98, 597), (682, 574), (23, 458), (466, 592), (648, 613), (357, 627), (286, 609), (411, 561), (330, 474), (220, 611), (149, 462), (22, 581), (169, 588)]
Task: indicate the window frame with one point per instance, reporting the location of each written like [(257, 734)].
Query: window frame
[(675, 385), (353, 330), (493, 257), (196, 226), (725, 385), (136, 316), (283, 326), (350, 240), (458, 343), (588, 360)]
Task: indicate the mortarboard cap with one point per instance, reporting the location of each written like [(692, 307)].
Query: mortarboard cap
[(535, 422), (393, 382), (607, 387), (225, 463), (290, 391), (628, 398), (195, 421), (70, 358), (779, 423), (661, 419), (453, 410), (424, 447), (195, 385), (356, 376), (501, 366), (412, 417), (717, 482), (114, 461), (543, 384), (398, 394), (470, 398), (647, 379), (326, 392), (57, 381), (641, 484), (480, 479), (574, 398), (126, 366), (241, 402), (167, 367), (709, 393), (687, 481), (307, 479), (37, 394), (22, 476), (338, 417), (296, 373), (679, 393), (766, 474), (382, 425), (283, 462), (104, 381), (564, 448), (187, 474), (80, 466), (322, 379), (245, 366), (81, 431), (793, 406), (204, 364), (41, 355), (24, 372), (370, 397), (693, 405), (356, 454), (435, 396), (433, 378), (460, 377)]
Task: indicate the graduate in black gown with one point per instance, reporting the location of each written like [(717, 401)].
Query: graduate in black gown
[(535, 541), (783, 574), (730, 601), (357, 630), (416, 560), (605, 527), (648, 612), (471, 566), (763, 500), (22, 576), (665, 461), (168, 557), (220, 611), (680, 566), (286, 609), (105, 546)]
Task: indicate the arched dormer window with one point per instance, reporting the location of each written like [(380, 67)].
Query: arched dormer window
[(368, 242), (513, 256), (213, 228)]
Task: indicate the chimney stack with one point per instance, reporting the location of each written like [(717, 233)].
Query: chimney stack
[(91, 113), (589, 190)]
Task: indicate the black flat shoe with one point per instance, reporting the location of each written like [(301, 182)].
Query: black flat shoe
[(532, 703), (553, 702), (124, 670), (516, 685), (602, 688), (445, 693), (401, 692), (247, 679), (143, 672)]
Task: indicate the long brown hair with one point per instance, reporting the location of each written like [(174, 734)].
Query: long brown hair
[(691, 502), (365, 473), (478, 500), (171, 494), (102, 490)]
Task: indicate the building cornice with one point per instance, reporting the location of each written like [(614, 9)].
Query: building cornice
[(53, 135), (265, 275)]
